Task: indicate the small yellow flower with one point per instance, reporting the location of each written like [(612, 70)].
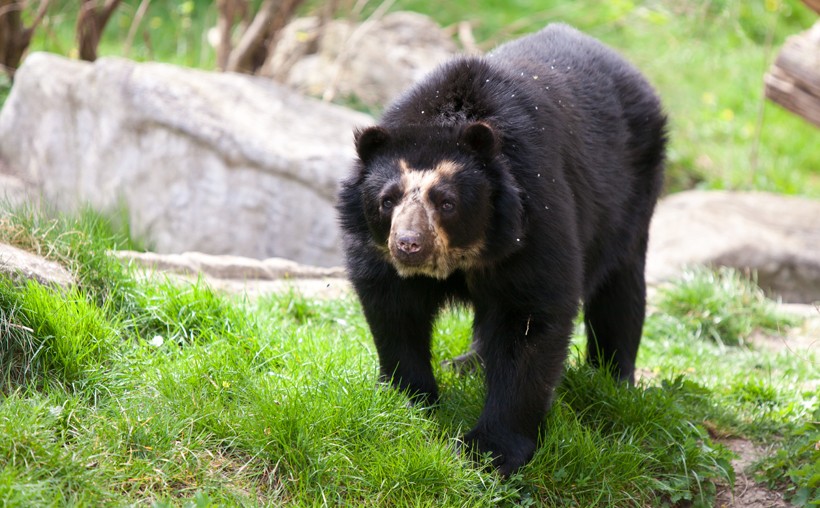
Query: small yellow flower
[(727, 115), (226, 384), (708, 98)]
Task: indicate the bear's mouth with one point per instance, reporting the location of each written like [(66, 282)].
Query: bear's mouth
[(411, 247), (439, 263), (426, 270), (413, 257)]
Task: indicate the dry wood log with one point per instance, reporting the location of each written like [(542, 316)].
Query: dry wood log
[(793, 81), (813, 4)]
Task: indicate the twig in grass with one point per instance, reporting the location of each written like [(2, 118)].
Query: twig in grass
[(129, 39), (20, 327)]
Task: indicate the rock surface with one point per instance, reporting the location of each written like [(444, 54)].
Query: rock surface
[(238, 275), (211, 162), (18, 264), (226, 267), (372, 61), (227, 164), (776, 237), (15, 189)]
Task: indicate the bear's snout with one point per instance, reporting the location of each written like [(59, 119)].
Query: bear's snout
[(409, 241), (410, 247), (411, 235)]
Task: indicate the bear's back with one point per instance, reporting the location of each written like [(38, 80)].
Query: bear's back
[(590, 69)]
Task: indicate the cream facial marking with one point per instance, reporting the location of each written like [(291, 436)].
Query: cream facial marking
[(416, 213)]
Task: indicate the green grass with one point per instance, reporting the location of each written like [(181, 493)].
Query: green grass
[(127, 390), (171, 31), (720, 305), (706, 57), (52, 335), (5, 88)]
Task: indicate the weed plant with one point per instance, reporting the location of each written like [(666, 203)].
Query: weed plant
[(795, 467)]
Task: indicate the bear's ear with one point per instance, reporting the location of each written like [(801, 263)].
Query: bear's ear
[(369, 140), (481, 139)]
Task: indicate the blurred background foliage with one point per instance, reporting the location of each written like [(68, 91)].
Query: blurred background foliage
[(706, 57)]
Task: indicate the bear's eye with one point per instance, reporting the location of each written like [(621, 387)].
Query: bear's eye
[(387, 204), (447, 206)]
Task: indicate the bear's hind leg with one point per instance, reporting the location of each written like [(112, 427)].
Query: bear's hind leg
[(614, 316)]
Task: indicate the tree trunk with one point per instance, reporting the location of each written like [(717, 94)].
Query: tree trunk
[(257, 42), (14, 36), (229, 11), (813, 4), (91, 22)]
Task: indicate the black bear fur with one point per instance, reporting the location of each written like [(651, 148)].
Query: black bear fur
[(539, 166)]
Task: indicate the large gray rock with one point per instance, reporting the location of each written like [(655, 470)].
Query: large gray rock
[(372, 61), (210, 162), (15, 189), (777, 237)]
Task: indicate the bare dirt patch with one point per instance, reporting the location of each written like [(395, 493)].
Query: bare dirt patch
[(747, 493)]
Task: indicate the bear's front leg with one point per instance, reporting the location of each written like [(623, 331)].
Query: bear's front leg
[(400, 313), (523, 358)]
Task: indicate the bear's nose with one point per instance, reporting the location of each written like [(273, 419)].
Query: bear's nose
[(409, 241)]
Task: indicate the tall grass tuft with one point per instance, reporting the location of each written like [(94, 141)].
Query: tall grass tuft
[(626, 446), (52, 335), (721, 305), (80, 242), (187, 314)]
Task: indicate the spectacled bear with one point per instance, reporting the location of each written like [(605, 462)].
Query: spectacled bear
[(521, 183)]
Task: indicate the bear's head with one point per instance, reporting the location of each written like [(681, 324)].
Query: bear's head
[(433, 197)]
